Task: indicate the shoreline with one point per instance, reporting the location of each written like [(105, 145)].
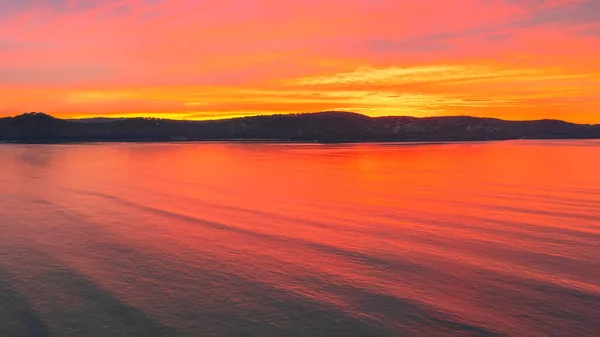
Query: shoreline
[(277, 141)]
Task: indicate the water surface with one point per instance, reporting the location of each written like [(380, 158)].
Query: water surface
[(254, 239)]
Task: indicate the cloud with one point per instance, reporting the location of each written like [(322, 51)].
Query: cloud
[(9, 45), (417, 74), (571, 13), (595, 31), (15, 6), (420, 44), (536, 13), (54, 75)]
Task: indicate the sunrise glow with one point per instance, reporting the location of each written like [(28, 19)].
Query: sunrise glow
[(511, 59)]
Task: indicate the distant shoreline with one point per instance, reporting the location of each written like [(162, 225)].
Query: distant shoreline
[(323, 127), (267, 141)]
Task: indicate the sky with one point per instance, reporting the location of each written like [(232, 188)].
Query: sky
[(199, 59)]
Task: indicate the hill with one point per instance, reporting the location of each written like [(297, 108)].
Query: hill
[(329, 126)]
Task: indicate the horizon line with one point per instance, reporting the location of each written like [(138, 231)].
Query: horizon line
[(287, 114)]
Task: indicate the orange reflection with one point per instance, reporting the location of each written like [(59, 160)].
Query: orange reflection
[(490, 233)]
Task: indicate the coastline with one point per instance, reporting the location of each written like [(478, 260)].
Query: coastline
[(279, 141), (322, 127)]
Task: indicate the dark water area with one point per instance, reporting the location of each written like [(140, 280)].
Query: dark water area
[(251, 239)]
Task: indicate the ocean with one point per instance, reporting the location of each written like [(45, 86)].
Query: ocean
[(285, 239)]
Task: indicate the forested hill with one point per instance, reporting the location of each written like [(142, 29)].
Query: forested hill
[(320, 127)]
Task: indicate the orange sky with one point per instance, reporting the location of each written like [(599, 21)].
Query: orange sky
[(512, 59)]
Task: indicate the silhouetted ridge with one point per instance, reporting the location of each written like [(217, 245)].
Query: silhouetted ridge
[(35, 115), (327, 126)]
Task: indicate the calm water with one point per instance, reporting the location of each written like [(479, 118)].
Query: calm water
[(218, 239)]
